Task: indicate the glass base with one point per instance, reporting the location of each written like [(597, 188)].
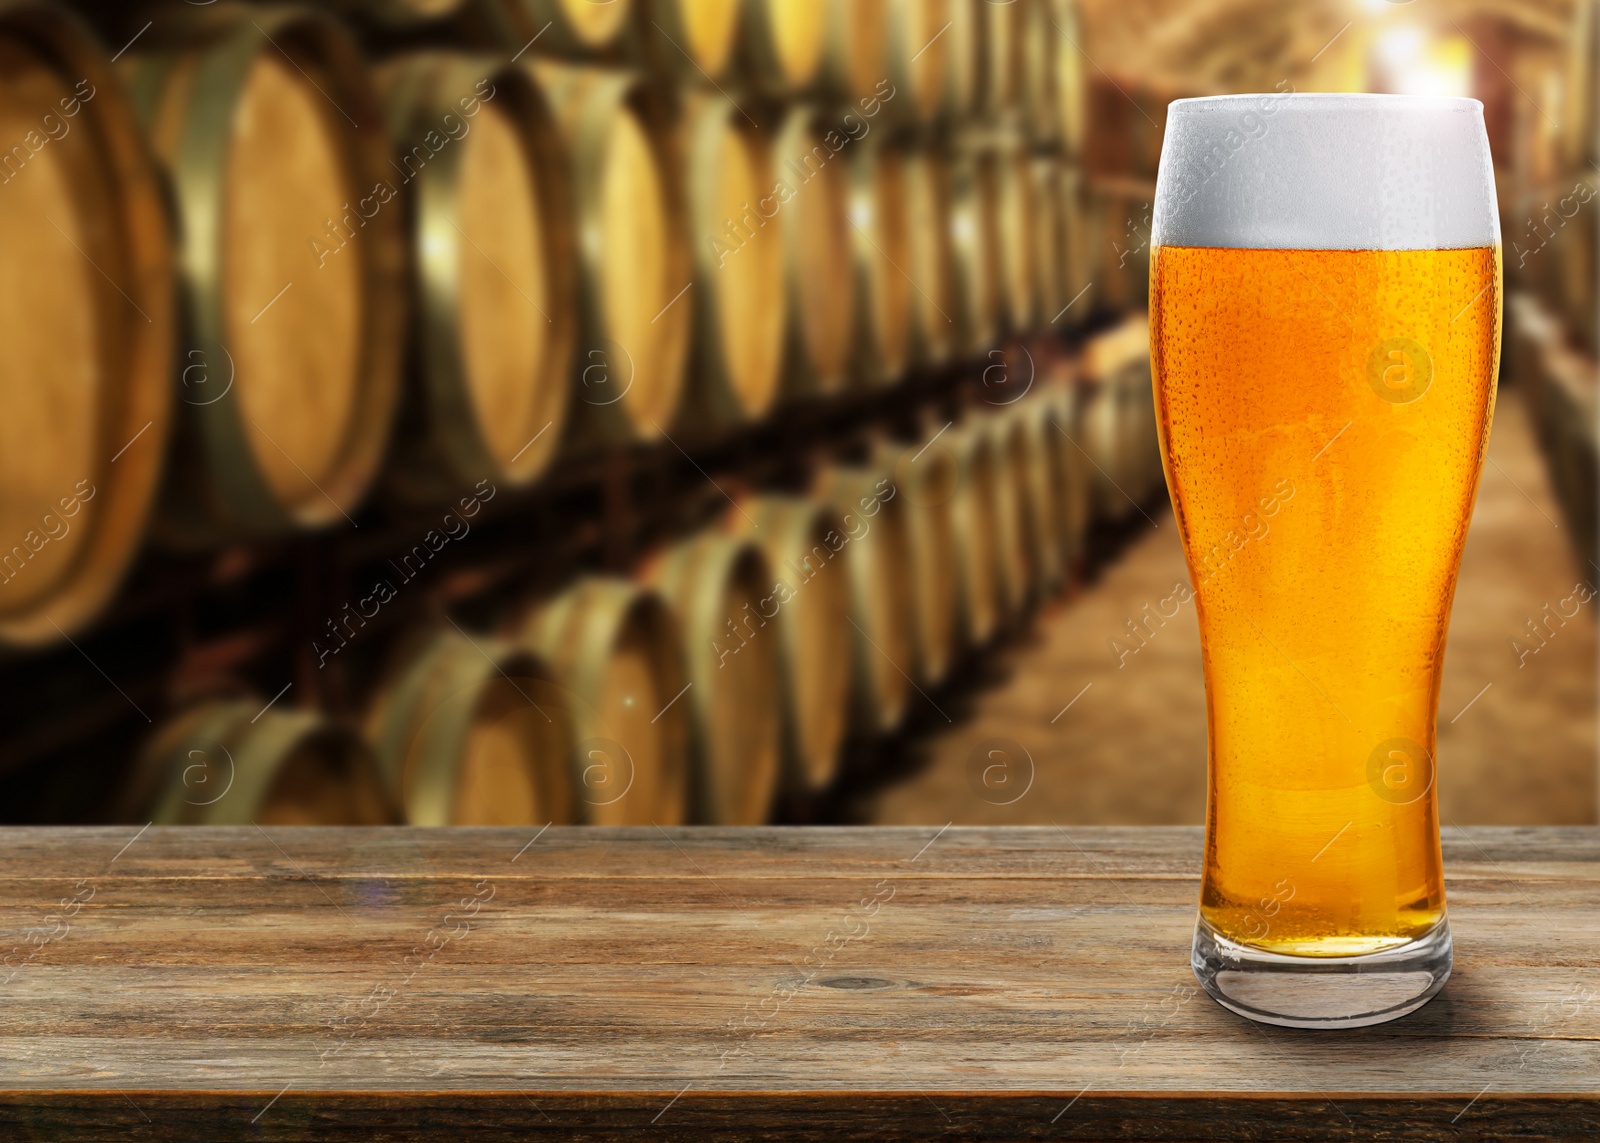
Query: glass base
[(1321, 992)]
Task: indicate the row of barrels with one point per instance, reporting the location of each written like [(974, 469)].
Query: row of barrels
[(251, 279), (728, 672), (948, 60), (1120, 431)]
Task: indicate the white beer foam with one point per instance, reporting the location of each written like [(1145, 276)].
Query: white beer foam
[(1326, 172)]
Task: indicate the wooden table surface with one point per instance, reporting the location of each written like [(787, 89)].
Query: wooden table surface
[(241, 983)]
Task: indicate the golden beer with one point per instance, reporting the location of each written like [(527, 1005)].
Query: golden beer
[(1324, 416), (1325, 336)]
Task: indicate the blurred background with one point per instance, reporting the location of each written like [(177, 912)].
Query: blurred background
[(659, 411)]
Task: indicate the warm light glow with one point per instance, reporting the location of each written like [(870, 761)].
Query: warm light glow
[(1445, 69), (1414, 65), (1400, 47)]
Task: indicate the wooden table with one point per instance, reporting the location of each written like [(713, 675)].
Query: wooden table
[(492, 984)]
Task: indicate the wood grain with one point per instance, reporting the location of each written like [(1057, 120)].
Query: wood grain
[(232, 983)]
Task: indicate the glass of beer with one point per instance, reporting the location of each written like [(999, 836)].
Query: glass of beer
[(1325, 334)]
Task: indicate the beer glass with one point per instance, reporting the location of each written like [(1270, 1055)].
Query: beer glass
[(1325, 333)]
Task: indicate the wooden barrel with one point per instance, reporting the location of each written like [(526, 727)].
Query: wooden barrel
[(780, 45), (1014, 535), (490, 220), (1001, 33), (1119, 418), (737, 356), (470, 730), (854, 49), (87, 281), (230, 762), (1081, 238), (930, 261), (1040, 43), (963, 72), (801, 538), (1050, 239), (924, 475), (1049, 541), (877, 556), (635, 308), (1069, 78), (1061, 416), (975, 249), (819, 280), (290, 251), (1147, 440), (578, 29), (1018, 238), (614, 651), (1101, 435), (918, 46), (724, 596), (974, 519), (880, 249), (1140, 444), (689, 42)]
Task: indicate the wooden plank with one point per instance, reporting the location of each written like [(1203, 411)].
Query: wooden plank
[(743, 983)]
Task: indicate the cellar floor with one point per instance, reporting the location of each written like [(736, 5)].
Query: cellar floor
[(1110, 745)]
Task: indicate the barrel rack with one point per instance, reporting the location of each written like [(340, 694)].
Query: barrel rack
[(244, 619), (250, 567)]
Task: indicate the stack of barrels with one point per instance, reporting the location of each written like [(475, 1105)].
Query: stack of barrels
[(1119, 419), (411, 246), (308, 260), (730, 670)]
